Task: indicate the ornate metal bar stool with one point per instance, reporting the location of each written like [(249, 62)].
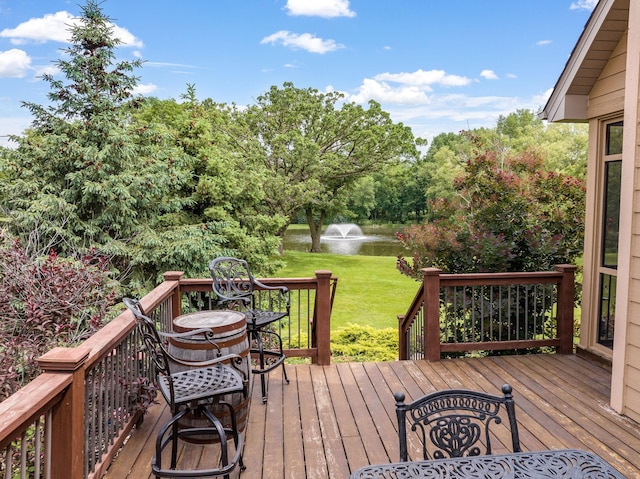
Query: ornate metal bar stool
[(235, 287), (192, 391)]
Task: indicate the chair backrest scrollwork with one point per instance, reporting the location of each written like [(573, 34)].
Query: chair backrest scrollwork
[(232, 281), (455, 422)]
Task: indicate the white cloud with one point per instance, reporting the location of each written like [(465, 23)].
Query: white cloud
[(126, 37), (14, 63), (320, 8), (512, 75), (305, 41), (488, 75), (404, 88), (472, 102), (540, 100), (542, 43), (55, 27), (383, 93), (144, 89), (424, 78), (584, 4), (453, 113), (414, 99), (51, 27), (47, 69), (166, 64), (12, 126)]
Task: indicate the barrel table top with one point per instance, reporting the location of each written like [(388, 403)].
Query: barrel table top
[(220, 320)]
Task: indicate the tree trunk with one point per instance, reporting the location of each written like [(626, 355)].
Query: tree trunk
[(281, 232), (315, 228)]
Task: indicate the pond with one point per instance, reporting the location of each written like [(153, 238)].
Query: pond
[(373, 240)]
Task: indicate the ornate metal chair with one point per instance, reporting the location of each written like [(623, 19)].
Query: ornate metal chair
[(236, 288), (192, 391), (454, 422)]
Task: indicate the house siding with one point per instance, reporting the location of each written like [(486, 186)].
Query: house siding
[(631, 373), (625, 377), (607, 94), (603, 72)]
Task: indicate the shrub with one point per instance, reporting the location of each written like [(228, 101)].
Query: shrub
[(510, 214), (364, 343), (46, 301)]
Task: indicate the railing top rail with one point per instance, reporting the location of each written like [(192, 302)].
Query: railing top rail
[(108, 337), (416, 304), (21, 409), (195, 284), (474, 279), (519, 277)]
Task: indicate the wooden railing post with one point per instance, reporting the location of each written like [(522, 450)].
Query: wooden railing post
[(403, 343), (323, 319), (176, 300), (431, 281), (67, 427), (566, 298)]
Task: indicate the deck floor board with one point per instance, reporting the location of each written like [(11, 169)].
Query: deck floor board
[(331, 420)]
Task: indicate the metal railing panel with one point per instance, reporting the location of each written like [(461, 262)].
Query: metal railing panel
[(490, 311)]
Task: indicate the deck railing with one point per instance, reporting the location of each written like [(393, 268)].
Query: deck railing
[(457, 313), (70, 421)]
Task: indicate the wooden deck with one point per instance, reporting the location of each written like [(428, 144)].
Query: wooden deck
[(331, 420)]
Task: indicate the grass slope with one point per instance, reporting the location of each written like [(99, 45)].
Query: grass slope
[(370, 292)]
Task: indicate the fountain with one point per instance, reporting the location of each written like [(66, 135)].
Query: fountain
[(347, 239), (343, 238), (343, 231)]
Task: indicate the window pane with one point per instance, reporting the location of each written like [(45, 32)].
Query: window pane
[(607, 309), (614, 138), (611, 213)]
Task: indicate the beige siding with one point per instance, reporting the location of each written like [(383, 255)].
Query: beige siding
[(607, 94), (633, 389), (631, 380)]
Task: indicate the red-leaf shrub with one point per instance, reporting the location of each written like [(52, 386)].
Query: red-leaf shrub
[(510, 214), (46, 301)]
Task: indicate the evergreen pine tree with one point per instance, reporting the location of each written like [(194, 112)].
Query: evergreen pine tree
[(83, 176)]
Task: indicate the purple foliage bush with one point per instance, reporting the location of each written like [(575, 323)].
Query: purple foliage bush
[(46, 301), (509, 214)]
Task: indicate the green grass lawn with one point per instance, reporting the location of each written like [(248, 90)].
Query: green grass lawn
[(370, 289)]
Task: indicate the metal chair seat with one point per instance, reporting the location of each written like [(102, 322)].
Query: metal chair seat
[(258, 319), (197, 384)]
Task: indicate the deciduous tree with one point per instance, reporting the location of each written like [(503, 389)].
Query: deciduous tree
[(221, 194), (312, 151)]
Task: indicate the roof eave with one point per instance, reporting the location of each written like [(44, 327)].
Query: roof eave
[(562, 106)]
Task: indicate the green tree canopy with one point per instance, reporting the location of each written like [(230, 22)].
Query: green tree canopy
[(222, 194), (311, 153)]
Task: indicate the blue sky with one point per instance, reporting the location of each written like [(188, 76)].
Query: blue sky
[(435, 65)]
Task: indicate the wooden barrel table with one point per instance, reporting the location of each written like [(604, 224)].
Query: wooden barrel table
[(229, 330)]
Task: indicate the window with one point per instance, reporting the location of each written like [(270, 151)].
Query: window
[(610, 226), (611, 214)]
